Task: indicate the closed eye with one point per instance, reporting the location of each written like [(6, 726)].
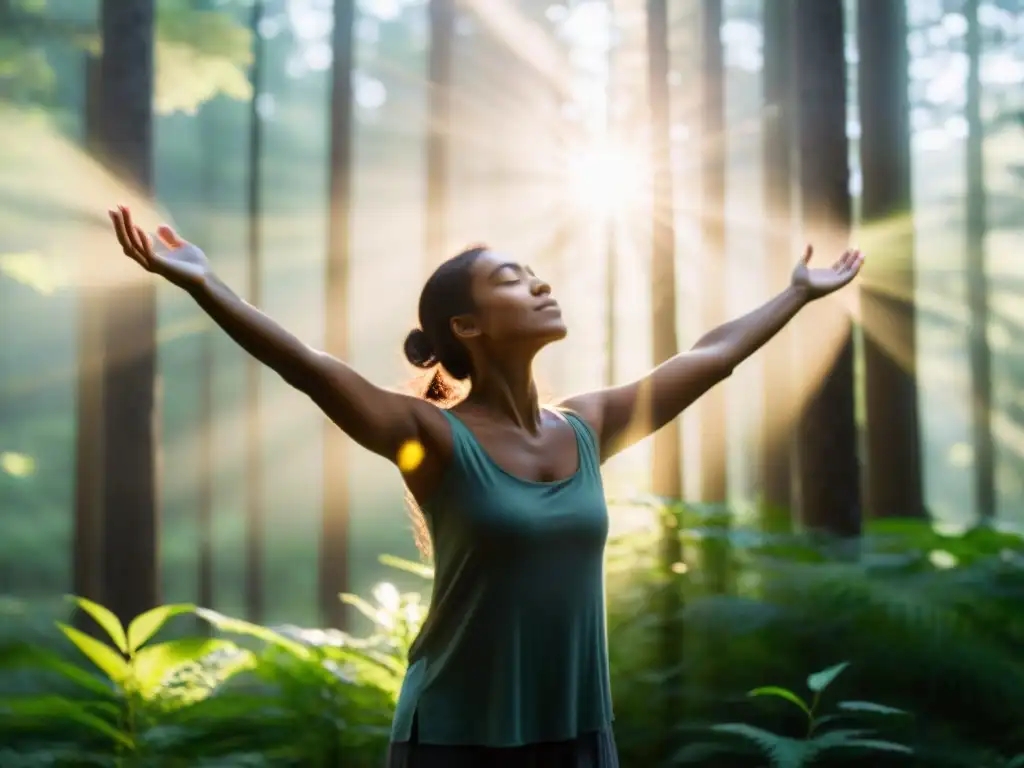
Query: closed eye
[(507, 274)]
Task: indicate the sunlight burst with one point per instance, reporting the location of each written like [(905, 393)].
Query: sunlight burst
[(605, 176)]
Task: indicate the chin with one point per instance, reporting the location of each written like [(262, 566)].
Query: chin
[(555, 332)]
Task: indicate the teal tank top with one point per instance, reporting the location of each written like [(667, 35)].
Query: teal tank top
[(514, 649)]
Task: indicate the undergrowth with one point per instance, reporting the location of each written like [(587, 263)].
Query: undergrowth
[(924, 627)]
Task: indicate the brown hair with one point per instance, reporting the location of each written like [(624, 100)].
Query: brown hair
[(446, 294)]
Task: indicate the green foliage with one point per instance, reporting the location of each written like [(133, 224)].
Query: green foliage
[(939, 641), (785, 752), (199, 54)]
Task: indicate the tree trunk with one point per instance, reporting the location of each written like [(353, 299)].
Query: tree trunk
[(668, 472), (887, 296), (667, 455), (439, 70), (334, 543), (129, 443), (613, 132), (777, 442), (207, 459), (713, 406), (977, 278), (89, 450), (827, 457), (255, 514)]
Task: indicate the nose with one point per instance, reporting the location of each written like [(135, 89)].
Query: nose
[(539, 287)]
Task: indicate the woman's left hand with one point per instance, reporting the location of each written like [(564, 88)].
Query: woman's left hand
[(821, 281)]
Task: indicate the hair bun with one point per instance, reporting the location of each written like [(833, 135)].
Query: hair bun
[(418, 349)]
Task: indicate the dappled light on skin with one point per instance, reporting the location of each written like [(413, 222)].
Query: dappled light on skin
[(410, 456)]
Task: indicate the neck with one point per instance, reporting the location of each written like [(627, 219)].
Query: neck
[(508, 387)]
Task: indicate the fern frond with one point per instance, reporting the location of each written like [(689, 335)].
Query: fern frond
[(783, 751)]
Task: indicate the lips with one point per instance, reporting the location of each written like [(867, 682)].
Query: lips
[(547, 304)]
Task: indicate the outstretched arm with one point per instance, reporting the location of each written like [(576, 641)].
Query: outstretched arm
[(626, 414), (377, 419)]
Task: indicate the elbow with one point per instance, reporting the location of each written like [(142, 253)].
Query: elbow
[(720, 361), (720, 371)]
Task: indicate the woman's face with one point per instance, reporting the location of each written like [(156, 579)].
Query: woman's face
[(511, 304)]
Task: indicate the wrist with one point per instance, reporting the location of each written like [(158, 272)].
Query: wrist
[(799, 294), (196, 284)]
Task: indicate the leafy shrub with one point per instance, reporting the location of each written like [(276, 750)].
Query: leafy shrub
[(929, 620)]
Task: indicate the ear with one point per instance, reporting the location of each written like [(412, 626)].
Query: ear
[(465, 327)]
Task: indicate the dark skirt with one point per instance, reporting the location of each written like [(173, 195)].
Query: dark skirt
[(593, 750)]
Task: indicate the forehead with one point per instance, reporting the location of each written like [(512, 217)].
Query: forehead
[(487, 261)]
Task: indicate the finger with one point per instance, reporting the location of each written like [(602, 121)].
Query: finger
[(118, 225), (146, 253), (808, 252), (132, 230), (843, 261), (122, 237), (169, 236)]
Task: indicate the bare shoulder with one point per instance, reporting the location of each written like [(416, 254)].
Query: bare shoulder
[(587, 406), (433, 429)]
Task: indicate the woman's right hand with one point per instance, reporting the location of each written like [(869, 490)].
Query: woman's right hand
[(176, 260)]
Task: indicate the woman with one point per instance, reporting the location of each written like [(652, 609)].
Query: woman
[(510, 668)]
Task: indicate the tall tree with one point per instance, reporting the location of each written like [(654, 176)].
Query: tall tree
[(207, 459), (977, 279), (129, 441), (334, 543), (89, 450), (439, 71), (667, 459), (612, 133), (887, 298), (255, 513), (827, 454), (713, 407), (777, 444), (667, 454)]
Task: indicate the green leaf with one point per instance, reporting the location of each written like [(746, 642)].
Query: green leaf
[(110, 623), (147, 624), (819, 681), (103, 656), (1016, 762), (361, 605), (874, 745), (782, 693), (424, 571), (870, 706), (155, 663), (239, 627), (782, 751), (47, 707), (700, 752), (23, 656)]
